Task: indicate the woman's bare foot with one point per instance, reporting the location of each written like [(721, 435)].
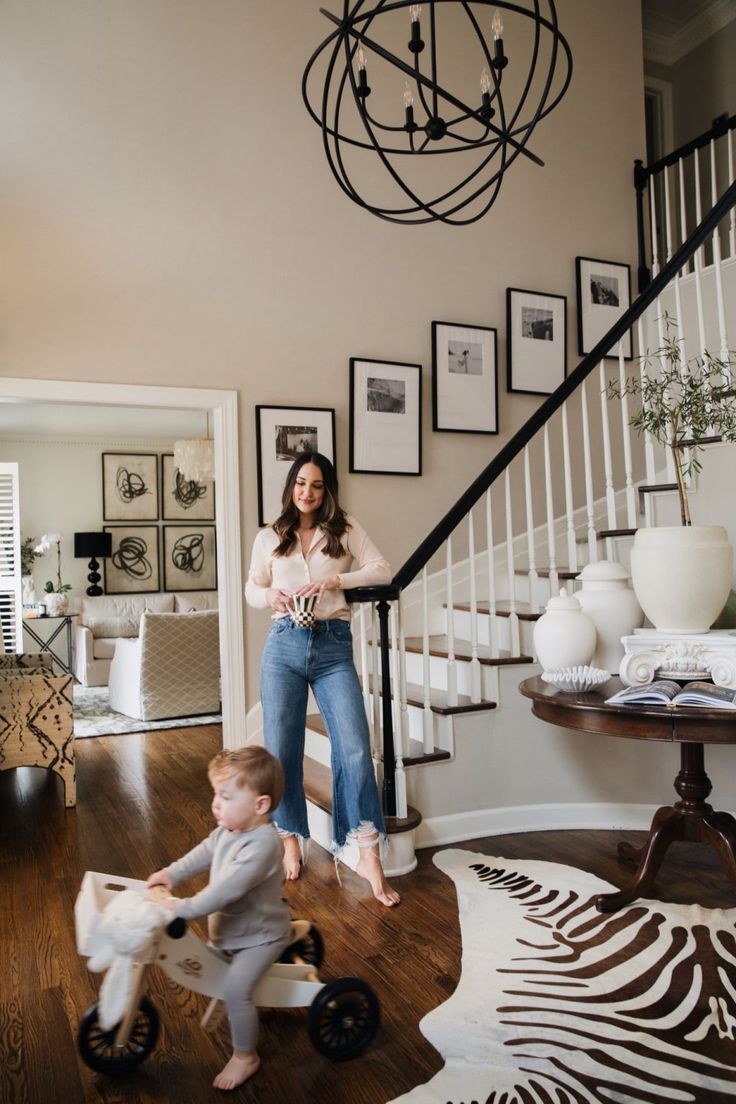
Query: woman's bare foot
[(241, 1066), (369, 867), (292, 858)]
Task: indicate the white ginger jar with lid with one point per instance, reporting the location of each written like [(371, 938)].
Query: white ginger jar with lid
[(612, 606), (564, 636)]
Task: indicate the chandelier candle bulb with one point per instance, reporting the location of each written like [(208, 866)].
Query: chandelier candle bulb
[(416, 45)]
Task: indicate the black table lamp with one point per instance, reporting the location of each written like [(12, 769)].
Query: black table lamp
[(88, 546)]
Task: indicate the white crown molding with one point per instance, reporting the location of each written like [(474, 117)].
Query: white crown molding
[(667, 49)]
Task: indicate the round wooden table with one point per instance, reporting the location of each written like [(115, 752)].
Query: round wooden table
[(690, 818)]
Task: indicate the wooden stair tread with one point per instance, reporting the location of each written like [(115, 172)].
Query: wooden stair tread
[(690, 442), (543, 572), (651, 488), (438, 647), (317, 724), (503, 609), (438, 701), (318, 788), (603, 533)]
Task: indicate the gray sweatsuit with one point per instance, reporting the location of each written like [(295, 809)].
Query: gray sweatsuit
[(247, 914)]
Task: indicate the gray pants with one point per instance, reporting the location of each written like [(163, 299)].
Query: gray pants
[(245, 971)]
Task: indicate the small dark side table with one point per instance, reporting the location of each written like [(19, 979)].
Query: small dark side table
[(690, 818)]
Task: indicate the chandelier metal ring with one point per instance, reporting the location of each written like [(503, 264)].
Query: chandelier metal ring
[(366, 37)]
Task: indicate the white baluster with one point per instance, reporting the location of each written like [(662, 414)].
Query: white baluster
[(375, 683), (732, 215), (667, 216), (402, 678), (399, 705), (572, 546), (427, 726), (589, 500), (722, 334), (475, 672), (626, 433), (554, 582), (510, 573), (699, 258), (365, 676), (648, 440), (607, 457), (530, 539), (653, 225), (491, 555), (451, 661), (683, 211)]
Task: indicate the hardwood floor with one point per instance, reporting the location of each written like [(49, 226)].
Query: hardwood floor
[(142, 801)]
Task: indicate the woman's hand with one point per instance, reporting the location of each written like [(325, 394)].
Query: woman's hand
[(333, 583), (160, 877), (279, 600)]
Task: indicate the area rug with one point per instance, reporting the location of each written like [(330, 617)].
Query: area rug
[(559, 1004), (94, 717)]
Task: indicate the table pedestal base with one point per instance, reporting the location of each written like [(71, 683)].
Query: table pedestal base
[(690, 818)]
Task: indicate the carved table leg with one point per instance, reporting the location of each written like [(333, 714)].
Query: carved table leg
[(691, 818)]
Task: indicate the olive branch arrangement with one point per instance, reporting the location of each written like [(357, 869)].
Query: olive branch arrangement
[(682, 404)]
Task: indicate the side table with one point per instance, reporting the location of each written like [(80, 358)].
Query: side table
[(45, 643)]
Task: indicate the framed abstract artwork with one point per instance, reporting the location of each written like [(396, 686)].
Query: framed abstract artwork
[(536, 341), (184, 499), (129, 486), (385, 417), (190, 557), (282, 432), (133, 564), (464, 378), (604, 294)]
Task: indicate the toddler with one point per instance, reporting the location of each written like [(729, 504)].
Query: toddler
[(248, 916)]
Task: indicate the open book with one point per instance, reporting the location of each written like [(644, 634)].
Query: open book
[(668, 692)]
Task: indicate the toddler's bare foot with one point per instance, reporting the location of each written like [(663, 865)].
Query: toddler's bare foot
[(369, 867), (241, 1066), (292, 858)]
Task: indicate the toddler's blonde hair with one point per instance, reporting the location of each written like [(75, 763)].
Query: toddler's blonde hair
[(251, 766)]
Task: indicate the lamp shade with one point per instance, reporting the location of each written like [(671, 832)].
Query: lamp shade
[(89, 545)]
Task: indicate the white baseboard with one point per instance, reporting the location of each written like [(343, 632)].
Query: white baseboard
[(531, 818)]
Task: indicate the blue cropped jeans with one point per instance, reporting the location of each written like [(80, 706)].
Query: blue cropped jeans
[(321, 657)]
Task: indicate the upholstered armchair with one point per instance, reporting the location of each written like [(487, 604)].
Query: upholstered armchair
[(36, 718), (172, 669)]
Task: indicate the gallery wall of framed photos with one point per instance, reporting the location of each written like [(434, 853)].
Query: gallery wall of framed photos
[(162, 526)]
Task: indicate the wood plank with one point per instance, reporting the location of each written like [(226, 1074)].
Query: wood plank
[(438, 646), (503, 609)]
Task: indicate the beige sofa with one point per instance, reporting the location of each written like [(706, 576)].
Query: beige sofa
[(102, 621)]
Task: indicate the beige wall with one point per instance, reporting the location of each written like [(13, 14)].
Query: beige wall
[(168, 217)]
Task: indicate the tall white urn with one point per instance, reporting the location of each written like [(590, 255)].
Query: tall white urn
[(612, 606), (682, 575)]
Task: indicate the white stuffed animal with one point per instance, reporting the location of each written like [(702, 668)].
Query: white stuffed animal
[(128, 923)]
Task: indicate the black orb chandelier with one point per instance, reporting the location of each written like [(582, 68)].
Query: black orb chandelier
[(443, 91)]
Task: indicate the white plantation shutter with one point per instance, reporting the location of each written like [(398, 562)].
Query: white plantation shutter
[(11, 623)]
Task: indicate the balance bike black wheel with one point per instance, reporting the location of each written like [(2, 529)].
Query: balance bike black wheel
[(343, 1018), (310, 949), (97, 1047)]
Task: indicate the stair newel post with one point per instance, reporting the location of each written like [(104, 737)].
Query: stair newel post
[(405, 734), (607, 455), (572, 547), (626, 433), (589, 500), (376, 683), (640, 183), (475, 672), (653, 229), (365, 680), (389, 759), (720, 303), (427, 724), (530, 539), (491, 554), (732, 214), (554, 580), (451, 662), (398, 697)]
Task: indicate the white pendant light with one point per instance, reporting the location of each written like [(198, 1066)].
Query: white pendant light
[(195, 457)]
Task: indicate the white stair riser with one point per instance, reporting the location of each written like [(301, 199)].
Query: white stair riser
[(462, 622), (437, 672), (317, 745)]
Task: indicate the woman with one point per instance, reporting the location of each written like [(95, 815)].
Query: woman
[(307, 551)]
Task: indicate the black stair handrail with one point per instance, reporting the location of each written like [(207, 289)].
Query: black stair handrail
[(444, 528)]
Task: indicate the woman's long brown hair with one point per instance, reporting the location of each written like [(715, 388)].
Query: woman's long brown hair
[(331, 518)]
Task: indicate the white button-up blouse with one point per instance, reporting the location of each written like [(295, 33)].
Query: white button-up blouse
[(292, 572)]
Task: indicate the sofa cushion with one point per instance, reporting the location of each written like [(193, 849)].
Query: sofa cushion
[(125, 605), (194, 601), (103, 647), (113, 626)]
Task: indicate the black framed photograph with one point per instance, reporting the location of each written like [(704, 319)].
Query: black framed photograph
[(129, 486), (184, 499), (282, 432), (190, 557), (536, 341), (133, 564), (604, 294), (385, 417), (464, 378)]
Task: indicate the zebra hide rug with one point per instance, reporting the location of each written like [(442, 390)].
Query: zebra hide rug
[(559, 1004)]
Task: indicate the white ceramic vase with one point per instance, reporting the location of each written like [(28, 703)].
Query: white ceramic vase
[(612, 606), (56, 604), (682, 575), (564, 636), (29, 593)]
